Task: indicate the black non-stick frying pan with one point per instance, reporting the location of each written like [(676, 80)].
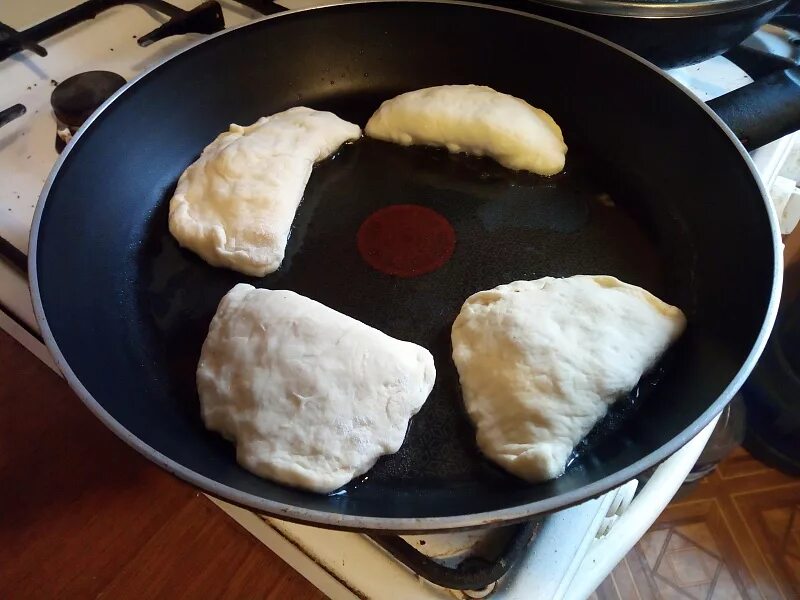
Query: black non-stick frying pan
[(124, 310)]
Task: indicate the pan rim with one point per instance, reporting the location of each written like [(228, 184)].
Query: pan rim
[(405, 525), (639, 9)]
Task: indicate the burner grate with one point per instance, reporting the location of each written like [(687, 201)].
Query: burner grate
[(204, 18), (11, 113), (476, 573)]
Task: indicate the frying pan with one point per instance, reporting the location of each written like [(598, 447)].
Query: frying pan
[(124, 310), (670, 34)]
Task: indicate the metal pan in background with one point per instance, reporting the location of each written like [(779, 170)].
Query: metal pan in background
[(669, 33)]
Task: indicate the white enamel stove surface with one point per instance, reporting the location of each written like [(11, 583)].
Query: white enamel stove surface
[(574, 549)]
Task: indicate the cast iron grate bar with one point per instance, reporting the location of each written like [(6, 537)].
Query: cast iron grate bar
[(11, 113), (14, 257), (10, 35), (205, 18), (472, 573)]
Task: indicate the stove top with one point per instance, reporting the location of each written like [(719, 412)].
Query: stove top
[(44, 46)]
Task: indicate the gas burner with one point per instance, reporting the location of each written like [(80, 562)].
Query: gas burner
[(74, 99)]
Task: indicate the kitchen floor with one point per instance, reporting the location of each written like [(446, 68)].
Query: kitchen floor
[(84, 516), (735, 536)]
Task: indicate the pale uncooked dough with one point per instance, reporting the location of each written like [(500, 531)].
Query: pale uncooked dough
[(540, 362), (235, 204), (311, 397), (476, 120)]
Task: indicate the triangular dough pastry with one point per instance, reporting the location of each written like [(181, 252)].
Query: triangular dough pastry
[(540, 362)]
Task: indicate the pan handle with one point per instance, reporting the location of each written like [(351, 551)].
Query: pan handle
[(762, 111)]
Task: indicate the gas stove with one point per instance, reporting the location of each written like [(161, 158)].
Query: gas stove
[(43, 46)]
